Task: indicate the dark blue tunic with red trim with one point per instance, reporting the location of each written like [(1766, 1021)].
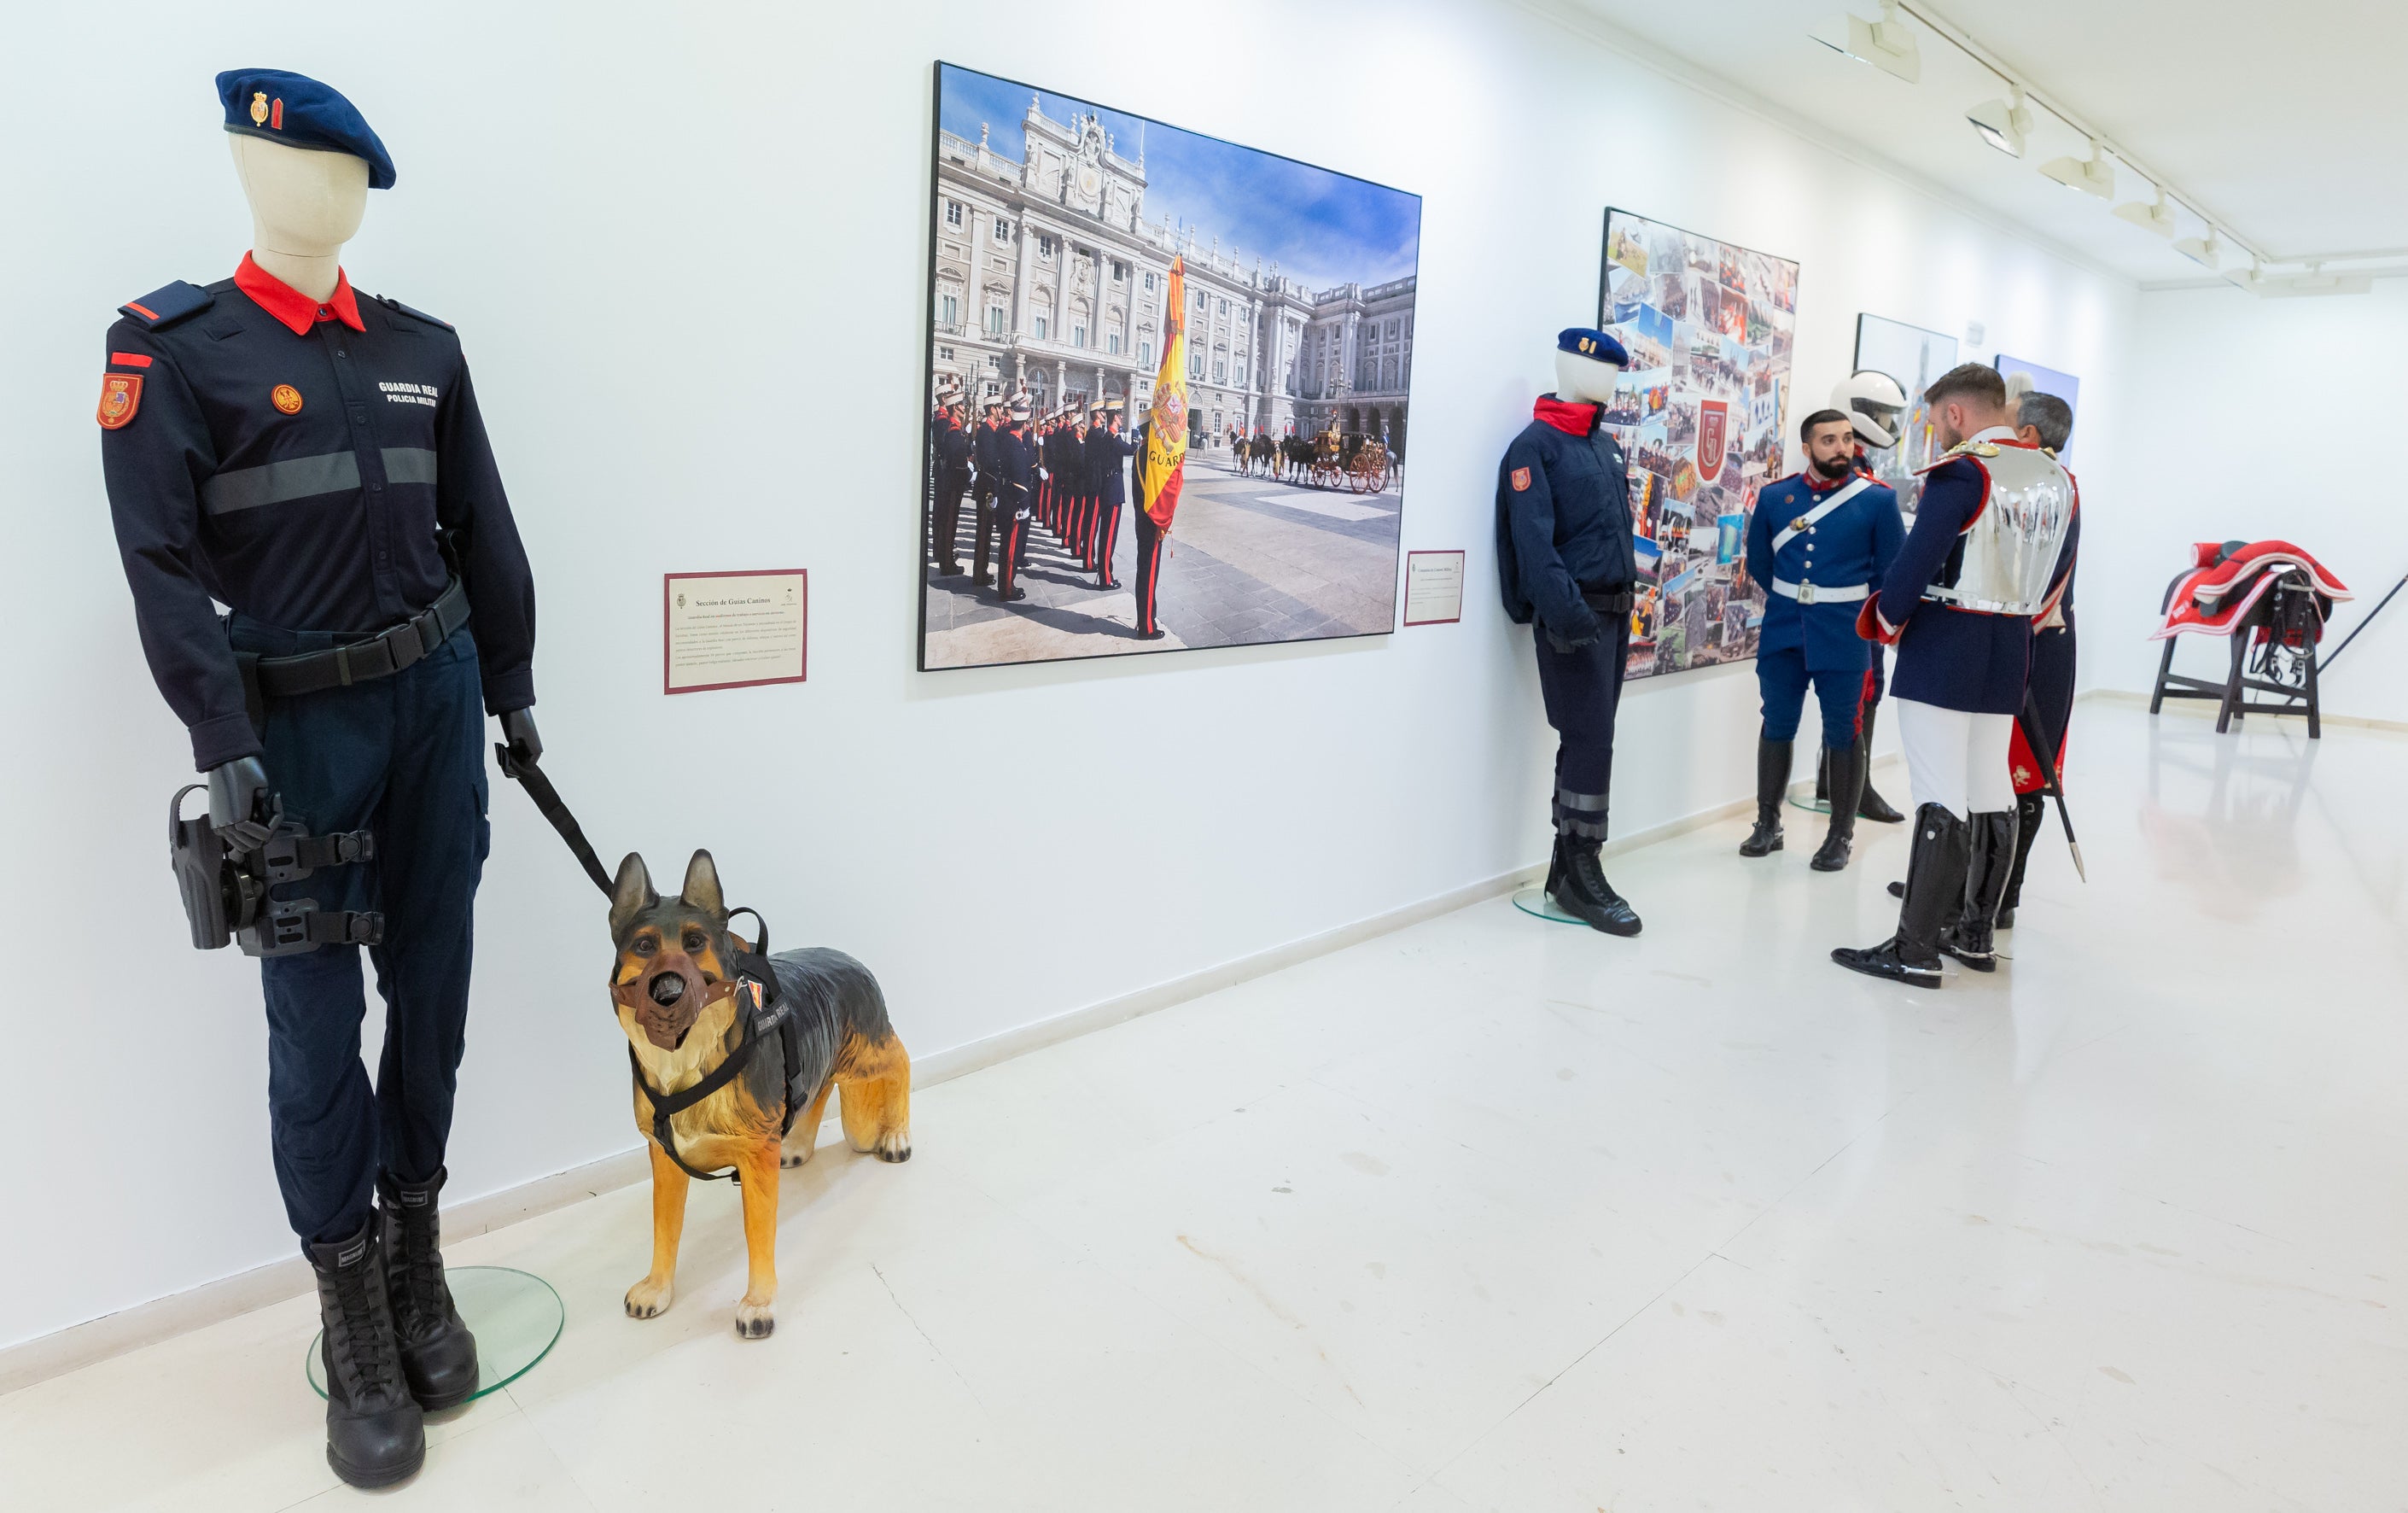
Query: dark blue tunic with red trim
[(1563, 519), (295, 462), (1950, 657)]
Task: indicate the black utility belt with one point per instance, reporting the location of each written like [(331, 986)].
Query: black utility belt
[(381, 655), (1609, 601)]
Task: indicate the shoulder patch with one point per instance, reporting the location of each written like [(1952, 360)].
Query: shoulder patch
[(1521, 479), (163, 307), (398, 308)]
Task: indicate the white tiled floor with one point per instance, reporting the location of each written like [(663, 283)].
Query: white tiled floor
[(1497, 1213)]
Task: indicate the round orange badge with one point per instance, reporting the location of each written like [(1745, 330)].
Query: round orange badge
[(286, 398)]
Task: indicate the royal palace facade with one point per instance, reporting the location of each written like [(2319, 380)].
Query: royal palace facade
[(1050, 279)]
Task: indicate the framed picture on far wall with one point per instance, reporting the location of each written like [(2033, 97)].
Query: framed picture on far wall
[(1914, 356), (1699, 412), (2048, 381), (1128, 284)]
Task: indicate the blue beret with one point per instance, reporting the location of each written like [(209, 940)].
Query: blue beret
[(1587, 342), (301, 113)]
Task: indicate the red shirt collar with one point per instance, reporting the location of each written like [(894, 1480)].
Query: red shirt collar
[(295, 309), (1576, 419)]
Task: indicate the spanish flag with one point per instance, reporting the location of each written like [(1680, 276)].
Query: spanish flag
[(1165, 462)]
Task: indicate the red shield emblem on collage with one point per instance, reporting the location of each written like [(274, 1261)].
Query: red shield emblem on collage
[(1714, 434)]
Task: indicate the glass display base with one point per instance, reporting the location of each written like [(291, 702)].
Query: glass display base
[(1534, 900), (515, 1316), (1813, 806)]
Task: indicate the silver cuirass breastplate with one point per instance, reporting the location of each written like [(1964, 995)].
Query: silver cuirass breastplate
[(2011, 548)]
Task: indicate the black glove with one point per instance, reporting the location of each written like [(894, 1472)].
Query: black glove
[(242, 809), (518, 729), (1572, 637)]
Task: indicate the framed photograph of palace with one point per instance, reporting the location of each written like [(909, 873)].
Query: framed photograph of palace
[(1700, 413), (1210, 349)]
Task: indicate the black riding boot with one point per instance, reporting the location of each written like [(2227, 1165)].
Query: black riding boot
[(438, 1355), (2030, 809), (1581, 889), (1935, 874), (1871, 805), (375, 1433), (1847, 765), (1772, 758), (1968, 938)]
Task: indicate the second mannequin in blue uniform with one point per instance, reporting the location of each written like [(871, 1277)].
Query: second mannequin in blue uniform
[(1816, 543)]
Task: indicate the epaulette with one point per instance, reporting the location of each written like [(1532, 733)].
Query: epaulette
[(397, 305), (163, 307), (1962, 450)]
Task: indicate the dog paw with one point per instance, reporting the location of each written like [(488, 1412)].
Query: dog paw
[(754, 1320), (790, 1157), (894, 1146), (648, 1299)]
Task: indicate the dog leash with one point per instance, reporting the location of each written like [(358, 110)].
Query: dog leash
[(527, 775)]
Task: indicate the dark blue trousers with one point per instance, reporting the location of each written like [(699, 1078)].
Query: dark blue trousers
[(1583, 689), (402, 756), (1781, 677)]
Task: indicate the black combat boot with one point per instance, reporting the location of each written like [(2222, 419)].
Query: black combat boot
[(1581, 889), (438, 1355), (1968, 938), (1847, 765), (375, 1433), (1772, 758), (1871, 805), (2030, 809), (1935, 874)]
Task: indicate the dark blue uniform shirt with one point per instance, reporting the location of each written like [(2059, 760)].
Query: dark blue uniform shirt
[(953, 455), (983, 452), (1955, 658), (1852, 545), (1563, 520), (1015, 462), (1106, 452), (296, 462)]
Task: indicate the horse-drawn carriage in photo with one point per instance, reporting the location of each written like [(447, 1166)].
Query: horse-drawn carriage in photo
[(1367, 471), (1327, 468)]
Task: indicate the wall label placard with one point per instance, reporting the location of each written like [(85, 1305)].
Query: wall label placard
[(1433, 589), (734, 630)]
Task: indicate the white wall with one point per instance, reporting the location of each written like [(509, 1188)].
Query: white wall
[(687, 251), (2264, 418)]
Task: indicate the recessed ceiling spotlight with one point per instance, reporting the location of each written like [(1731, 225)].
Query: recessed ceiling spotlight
[(1888, 44), (2091, 175), (2205, 251), (2005, 124), (2159, 218)]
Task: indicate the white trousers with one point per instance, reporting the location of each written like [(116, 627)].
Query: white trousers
[(1956, 760)]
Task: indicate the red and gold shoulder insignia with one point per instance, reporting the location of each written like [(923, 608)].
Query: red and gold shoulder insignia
[(1521, 479), (120, 395)]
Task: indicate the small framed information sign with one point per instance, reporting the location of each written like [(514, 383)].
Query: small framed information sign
[(733, 630), (1433, 589)]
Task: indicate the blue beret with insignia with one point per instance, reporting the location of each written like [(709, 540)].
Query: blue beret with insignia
[(301, 113), (1585, 341)]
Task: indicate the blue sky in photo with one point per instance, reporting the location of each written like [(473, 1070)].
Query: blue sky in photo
[(1324, 228)]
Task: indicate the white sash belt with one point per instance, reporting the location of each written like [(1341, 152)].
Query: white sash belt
[(1855, 486), (1812, 593)]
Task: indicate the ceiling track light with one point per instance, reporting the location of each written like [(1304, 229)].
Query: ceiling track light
[(2205, 251), (2005, 124), (2158, 217), (1888, 44), (2092, 176)]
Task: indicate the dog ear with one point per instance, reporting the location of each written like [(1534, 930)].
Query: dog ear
[(702, 885), (632, 894)]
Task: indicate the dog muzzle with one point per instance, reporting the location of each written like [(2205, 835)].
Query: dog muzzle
[(668, 997)]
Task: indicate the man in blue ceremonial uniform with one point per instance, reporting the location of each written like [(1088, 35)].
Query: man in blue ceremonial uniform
[(316, 461), (1108, 456), (1816, 543), (1015, 456), (1994, 536), (985, 488), (1564, 558)]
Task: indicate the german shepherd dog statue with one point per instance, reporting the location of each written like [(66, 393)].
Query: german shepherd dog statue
[(675, 985)]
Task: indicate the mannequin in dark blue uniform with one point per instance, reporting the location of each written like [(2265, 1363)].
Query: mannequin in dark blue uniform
[(1815, 543), (1564, 558)]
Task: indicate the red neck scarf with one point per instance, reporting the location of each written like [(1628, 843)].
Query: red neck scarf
[(1573, 420)]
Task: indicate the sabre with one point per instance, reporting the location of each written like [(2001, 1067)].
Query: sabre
[(2052, 788)]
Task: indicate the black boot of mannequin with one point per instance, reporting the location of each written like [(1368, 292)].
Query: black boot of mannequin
[(1871, 805), (438, 1355), (1935, 876), (375, 1433), (1969, 937), (2030, 809), (1582, 890), (1772, 759), (1847, 765)]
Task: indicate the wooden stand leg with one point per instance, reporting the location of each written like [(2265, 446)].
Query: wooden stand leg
[(2316, 716), (2225, 713), (2165, 665)]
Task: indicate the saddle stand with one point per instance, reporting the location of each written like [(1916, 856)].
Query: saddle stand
[(2282, 629)]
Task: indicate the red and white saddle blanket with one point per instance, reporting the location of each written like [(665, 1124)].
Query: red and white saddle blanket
[(2226, 579)]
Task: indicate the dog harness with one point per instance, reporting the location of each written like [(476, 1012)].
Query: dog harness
[(761, 1014)]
